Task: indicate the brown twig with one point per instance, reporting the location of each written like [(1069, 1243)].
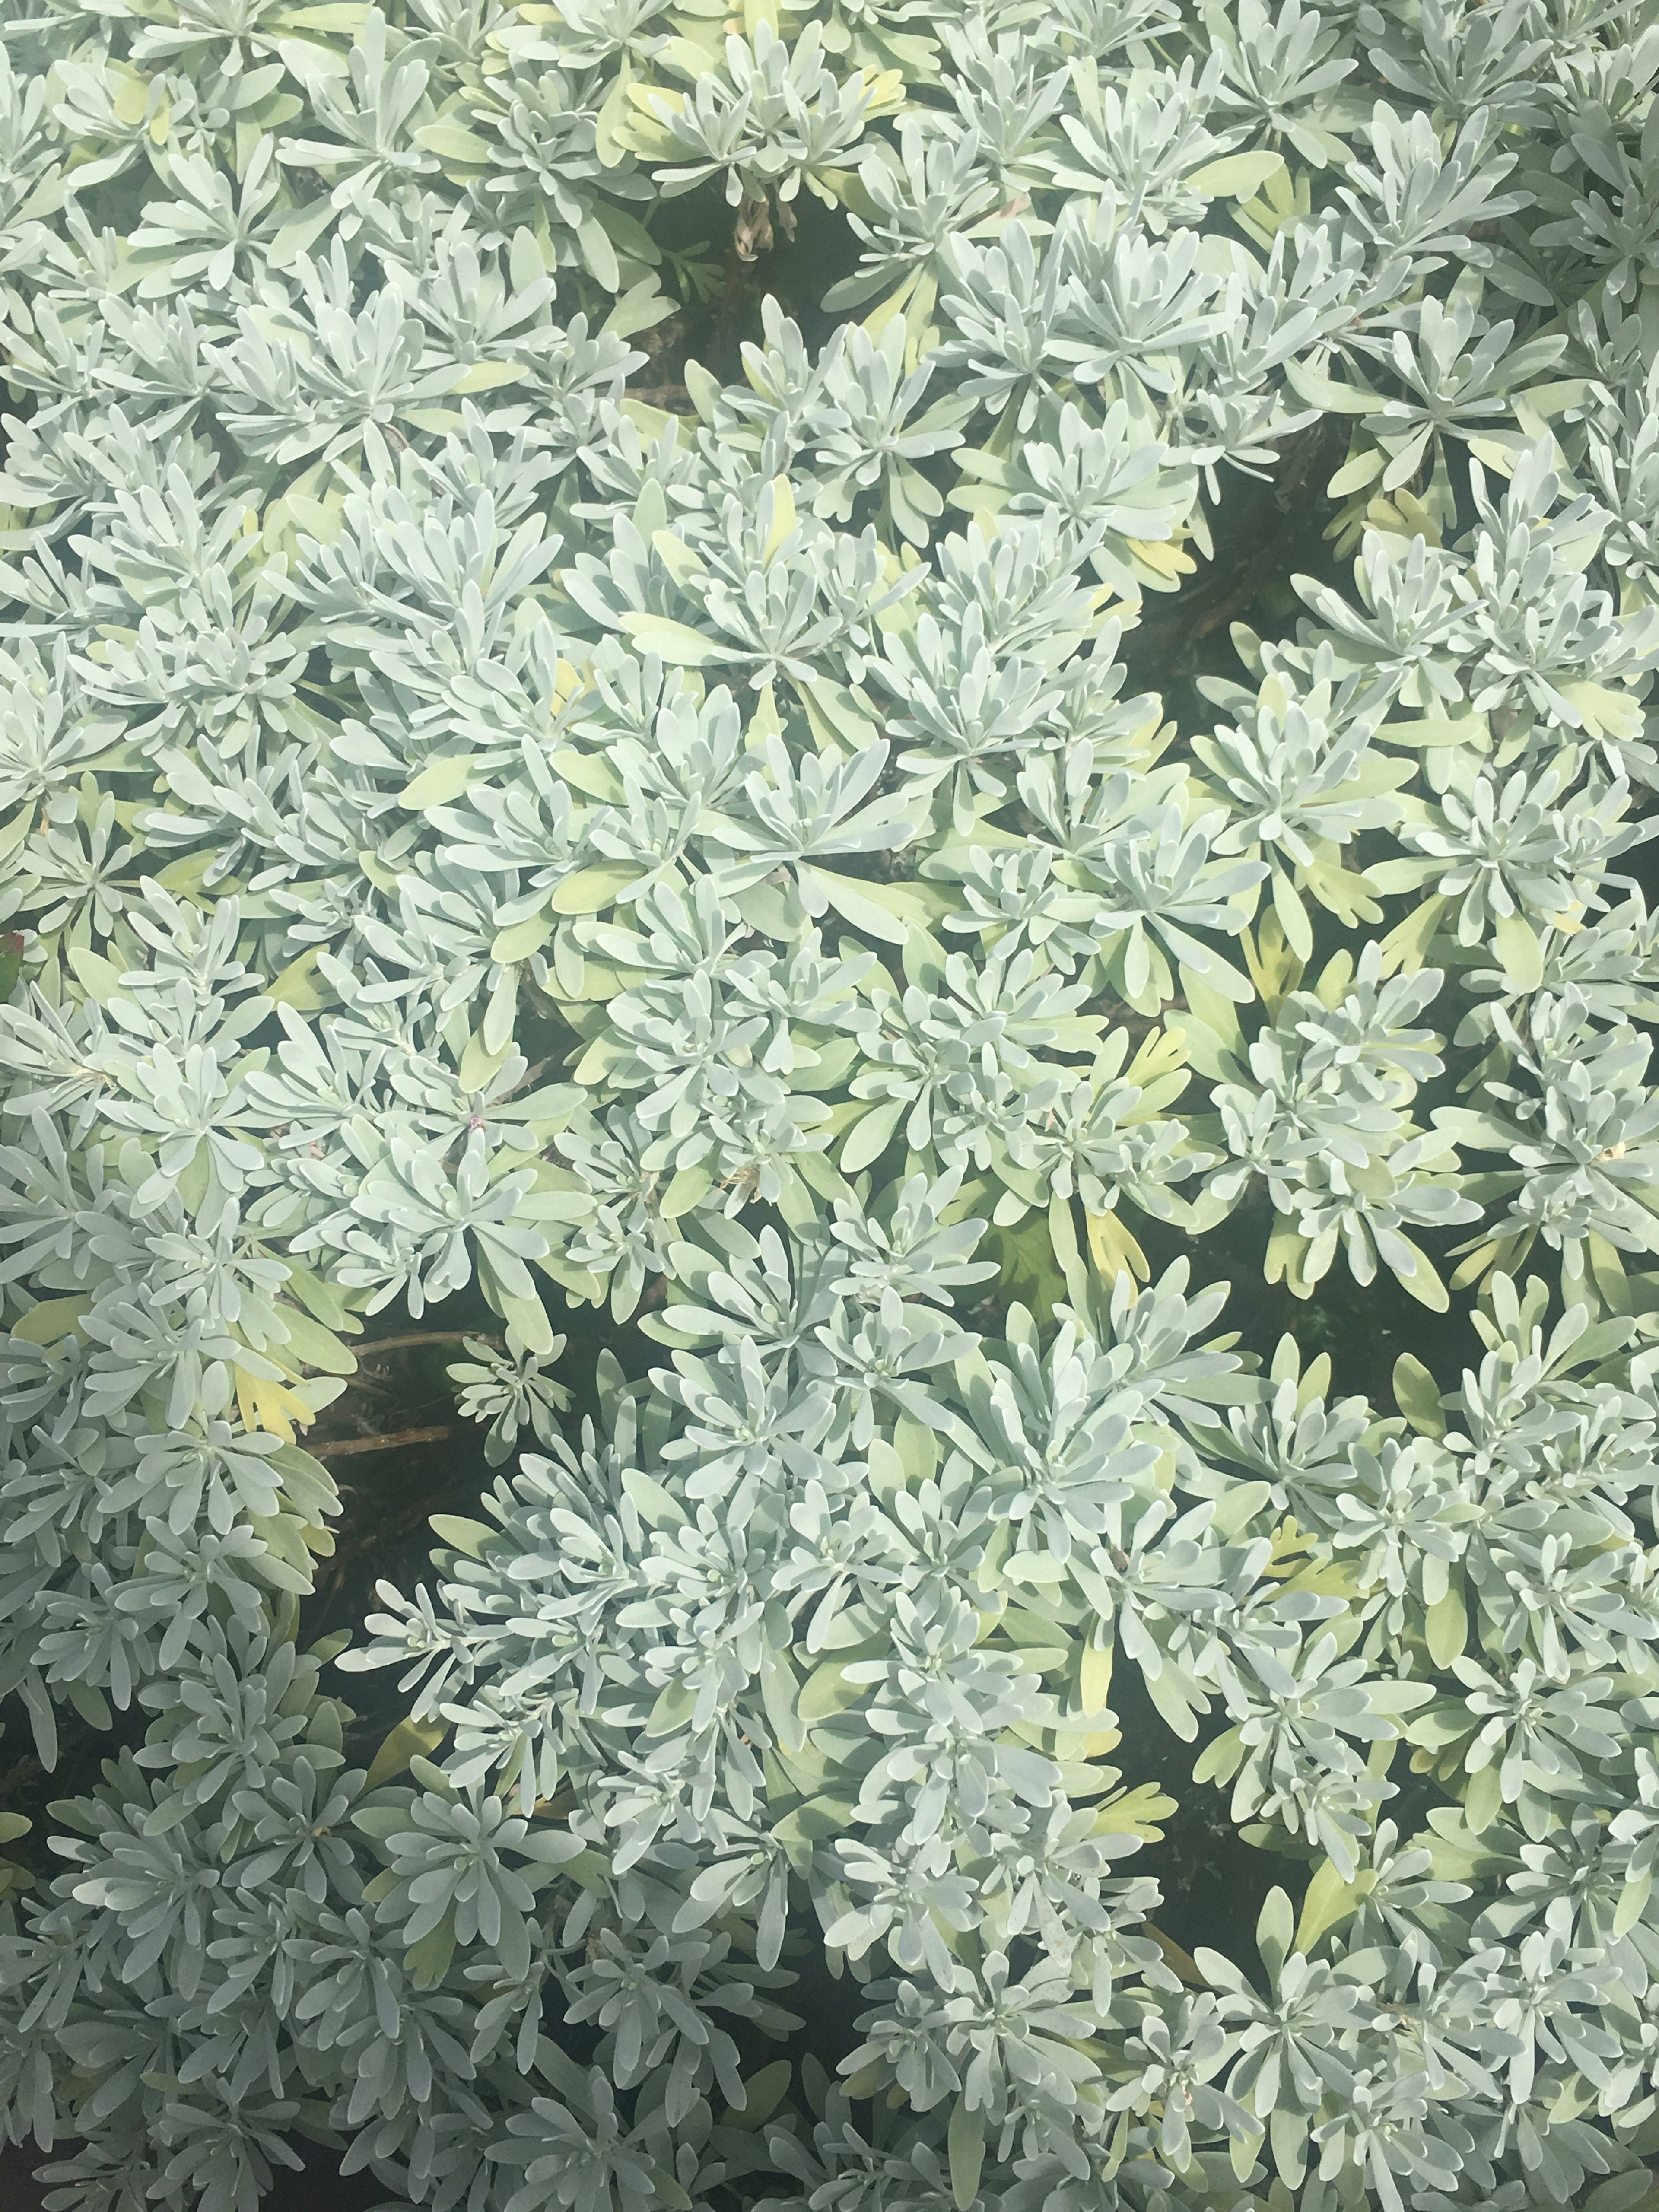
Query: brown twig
[(423, 1336), (660, 394), (379, 1443)]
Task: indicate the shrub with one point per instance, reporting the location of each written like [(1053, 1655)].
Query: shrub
[(578, 579)]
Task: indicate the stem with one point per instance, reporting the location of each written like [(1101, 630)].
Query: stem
[(424, 1336), (379, 1443)]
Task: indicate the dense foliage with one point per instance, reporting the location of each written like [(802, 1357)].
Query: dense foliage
[(569, 740)]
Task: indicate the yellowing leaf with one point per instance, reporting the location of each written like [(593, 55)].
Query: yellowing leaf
[(1114, 1251), (1096, 1683), (676, 642), (129, 103), (486, 376), (1160, 553), (783, 516), (1136, 1812), (265, 1404), (1236, 176)]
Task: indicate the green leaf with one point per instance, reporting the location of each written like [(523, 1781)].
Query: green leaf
[(869, 914), (967, 2146), (654, 1506), (522, 939), (1446, 1625), (871, 1135), (1483, 1799), (1517, 944), (814, 1822), (1315, 390), (451, 143), (410, 1739), (1417, 1395), (52, 1320), (763, 2092), (1275, 1929), (687, 1188), (1328, 1901), (591, 889), (638, 308), (297, 985), (462, 1535), (439, 782), (427, 1962)]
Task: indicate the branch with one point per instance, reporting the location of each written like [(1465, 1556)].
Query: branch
[(379, 1444), (423, 1336)]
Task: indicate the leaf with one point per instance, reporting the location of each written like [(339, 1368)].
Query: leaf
[(1517, 944), (344, 17), (1136, 1812), (610, 122), (1315, 390), (51, 1320), (439, 782), (464, 1535), (266, 1403), (314, 1345), (1113, 1249), (297, 986), (481, 1063), (484, 376), (870, 1135), (654, 1506), (450, 141), (1328, 1901), (812, 1823), (1446, 1625), (1181, 1963), (1275, 1929), (1417, 1395), (1604, 712), (410, 1739), (1062, 1239), (1405, 949), (591, 889), (967, 2148), (826, 1691), (1236, 176), (520, 939), (638, 308), (674, 642), (427, 1962), (763, 2092), (870, 909), (1095, 1672), (1483, 1799)]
